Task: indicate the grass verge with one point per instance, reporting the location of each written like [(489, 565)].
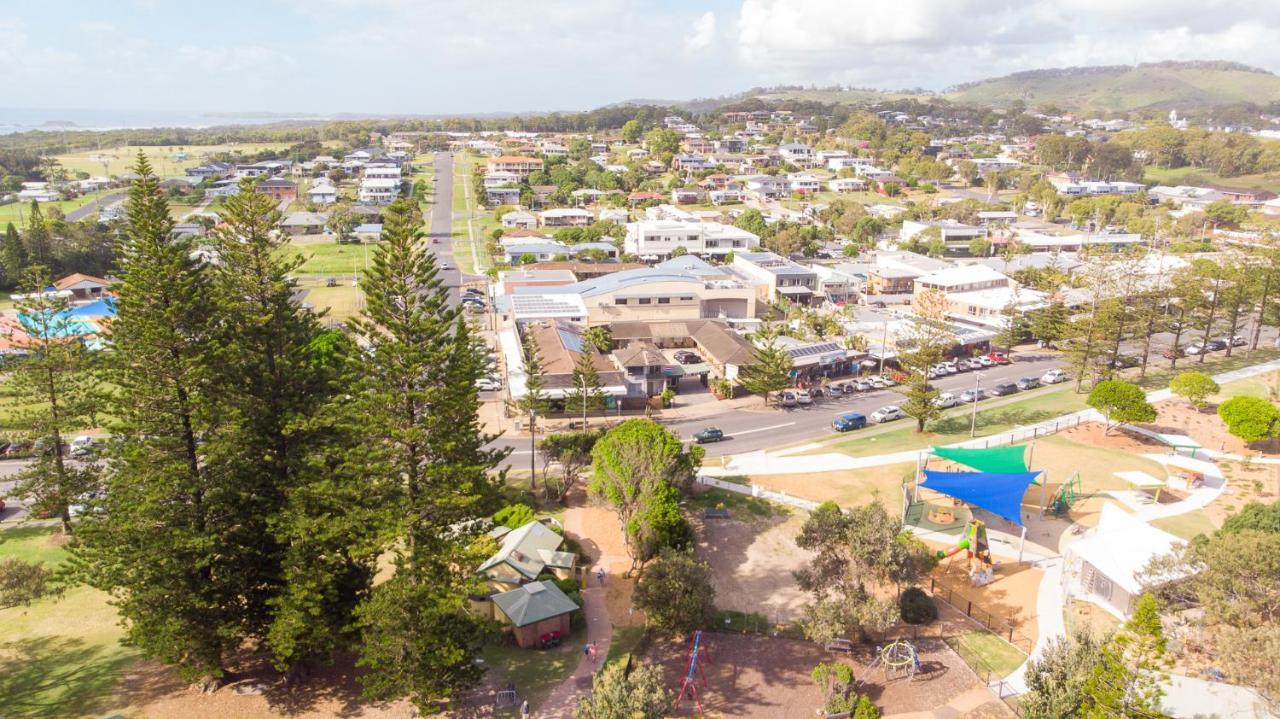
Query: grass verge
[(987, 653), (535, 673)]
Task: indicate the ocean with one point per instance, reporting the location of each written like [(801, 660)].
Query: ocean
[(24, 119)]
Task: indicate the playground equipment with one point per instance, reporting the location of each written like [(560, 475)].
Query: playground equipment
[(974, 542), (698, 652), (1066, 496), (896, 659)]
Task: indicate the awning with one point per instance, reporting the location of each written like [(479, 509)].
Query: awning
[(795, 290), (1002, 460), (1000, 494), (1140, 479)]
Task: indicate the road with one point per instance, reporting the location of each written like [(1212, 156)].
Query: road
[(757, 429), (94, 205), (440, 233)]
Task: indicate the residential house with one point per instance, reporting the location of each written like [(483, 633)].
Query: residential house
[(496, 196), (895, 273), (519, 218), (322, 193), (690, 163), (279, 189), (518, 165), (565, 217), (725, 197), (803, 183), (304, 223), (846, 184), (38, 192), (368, 232), (654, 238), (212, 169), (524, 554), (955, 235), (82, 286), (798, 154), (836, 164), (777, 277), (379, 190), (687, 195), (500, 179)]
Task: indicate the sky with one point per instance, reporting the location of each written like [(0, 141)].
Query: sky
[(478, 56)]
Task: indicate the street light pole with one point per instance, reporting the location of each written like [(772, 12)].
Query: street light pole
[(884, 341), (973, 416)]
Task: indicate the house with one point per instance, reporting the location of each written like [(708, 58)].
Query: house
[(534, 610), (517, 165), (956, 236), (565, 217), (501, 178), (767, 187), (797, 154), (811, 361), (1185, 196), (777, 277), (803, 183), (579, 270), (894, 273), (38, 192), (368, 232), (304, 223), (846, 184), (691, 163), (212, 169), (519, 218), (496, 196), (725, 197), (82, 286), (379, 190), (524, 554), (616, 215), (658, 238), (962, 279), (322, 194), (686, 195), (279, 189), (560, 346), (539, 251)]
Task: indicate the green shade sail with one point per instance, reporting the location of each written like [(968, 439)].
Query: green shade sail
[(995, 460)]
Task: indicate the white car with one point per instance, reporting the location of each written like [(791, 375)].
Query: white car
[(887, 414), (888, 381), (951, 367), (487, 384), (789, 399), (986, 361), (802, 397), (945, 400), (1053, 376)]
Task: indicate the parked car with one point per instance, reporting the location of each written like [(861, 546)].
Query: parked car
[(998, 357), (1236, 341), (972, 395), (863, 385), (803, 397), (945, 400), (1027, 383), (688, 358), (18, 449), (1215, 345), (888, 381), (83, 446), (850, 421), (1053, 376), (1194, 349), (788, 399), (952, 367), (986, 361), (1004, 388), (887, 414), (1125, 361), (486, 384), (710, 434), (879, 383)]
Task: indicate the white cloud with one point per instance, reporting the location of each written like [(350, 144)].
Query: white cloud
[(702, 35)]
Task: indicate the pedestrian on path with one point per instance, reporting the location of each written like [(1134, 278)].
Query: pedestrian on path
[(600, 575), (594, 653), (586, 651), (524, 709)]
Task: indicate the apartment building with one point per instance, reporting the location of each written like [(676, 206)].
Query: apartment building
[(659, 238)]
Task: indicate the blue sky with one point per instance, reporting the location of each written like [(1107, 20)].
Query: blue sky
[(436, 56)]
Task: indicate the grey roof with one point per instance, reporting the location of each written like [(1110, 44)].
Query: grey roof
[(523, 548), (614, 281), (304, 219), (535, 248), (533, 603), (690, 263)]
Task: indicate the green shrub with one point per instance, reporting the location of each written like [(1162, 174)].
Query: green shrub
[(514, 516), (917, 607)]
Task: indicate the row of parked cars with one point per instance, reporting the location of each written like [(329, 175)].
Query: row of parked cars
[(991, 359), (857, 420), (1199, 348), (81, 447), (803, 397)]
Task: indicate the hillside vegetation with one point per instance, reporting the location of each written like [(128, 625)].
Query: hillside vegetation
[(1123, 88)]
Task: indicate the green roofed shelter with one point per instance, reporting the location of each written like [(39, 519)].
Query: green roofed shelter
[(992, 460), (535, 609)]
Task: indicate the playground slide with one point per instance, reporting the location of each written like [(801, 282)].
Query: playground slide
[(963, 545)]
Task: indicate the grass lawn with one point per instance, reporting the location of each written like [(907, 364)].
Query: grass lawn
[(468, 253), (1198, 176), (118, 160), (739, 505), (624, 641), (1188, 525), (58, 657), (17, 212), (987, 653), (1029, 408), (342, 302), (1216, 363), (534, 672), (1258, 386), (327, 258)]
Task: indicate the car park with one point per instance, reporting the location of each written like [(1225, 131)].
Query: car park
[(1004, 388), (887, 414), (850, 421), (1053, 376), (945, 400), (803, 397), (1027, 383), (710, 434), (972, 395)]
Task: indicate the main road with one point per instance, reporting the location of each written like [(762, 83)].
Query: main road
[(440, 231), (757, 428)]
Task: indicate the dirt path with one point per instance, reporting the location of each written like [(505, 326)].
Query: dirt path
[(600, 535)]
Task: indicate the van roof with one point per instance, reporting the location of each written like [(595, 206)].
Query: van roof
[(850, 415)]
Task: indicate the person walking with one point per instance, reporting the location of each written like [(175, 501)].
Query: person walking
[(524, 709), (600, 575)]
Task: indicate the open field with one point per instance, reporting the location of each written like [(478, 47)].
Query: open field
[(1199, 176), (342, 302), (118, 160), (326, 258), (846, 488), (17, 212)]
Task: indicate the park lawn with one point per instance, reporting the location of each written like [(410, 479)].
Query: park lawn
[(341, 303), (848, 488), (987, 652), (624, 642), (1060, 457), (1258, 386), (535, 673), (119, 160), (463, 227), (1216, 363), (327, 258), (61, 656), (739, 505), (1188, 525), (1024, 409), (17, 212), (1198, 176)]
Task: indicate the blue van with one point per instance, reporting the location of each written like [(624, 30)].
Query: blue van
[(846, 422)]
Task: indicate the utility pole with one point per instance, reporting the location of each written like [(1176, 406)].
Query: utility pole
[(973, 416)]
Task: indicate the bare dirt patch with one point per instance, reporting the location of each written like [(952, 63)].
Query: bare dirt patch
[(755, 676), (847, 488), (752, 564)]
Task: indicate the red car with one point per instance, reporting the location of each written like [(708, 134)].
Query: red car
[(998, 358)]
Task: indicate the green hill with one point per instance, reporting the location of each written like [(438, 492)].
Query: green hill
[(1123, 88)]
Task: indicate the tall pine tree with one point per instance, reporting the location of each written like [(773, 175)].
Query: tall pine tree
[(38, 239), (158, 546), (426, 462), (13, 257)]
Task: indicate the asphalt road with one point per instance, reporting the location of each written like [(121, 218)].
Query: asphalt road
[(83, 211), (440, 233), (759, 428)]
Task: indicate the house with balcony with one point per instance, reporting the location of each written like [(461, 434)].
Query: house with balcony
[(378, 190), (777, 277), (659, 238), (519, 165), (279, 189), (798, 154), (565, 217), (802, 183)]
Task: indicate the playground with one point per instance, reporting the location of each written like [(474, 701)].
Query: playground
[(758, 676)]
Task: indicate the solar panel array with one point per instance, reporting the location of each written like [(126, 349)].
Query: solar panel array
[(811, 350)]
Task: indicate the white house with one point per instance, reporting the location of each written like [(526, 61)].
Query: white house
[(803, 183), (798, 154), (846, 184), (378, 190), (322, 193), (659, 238), (519, 219)]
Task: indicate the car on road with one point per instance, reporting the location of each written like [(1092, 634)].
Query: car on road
[(1027, 383), (446, 266), (887, 414), (998, 357), (1004, 388), (1053, 376), (945, 400), (789, 399), (972, 395), (488, 384), (803, 397), (850, 421), (710, 434)]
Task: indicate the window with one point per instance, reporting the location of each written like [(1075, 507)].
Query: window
[(687, 299), (664, 300), (646, 301), (620, 300)]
